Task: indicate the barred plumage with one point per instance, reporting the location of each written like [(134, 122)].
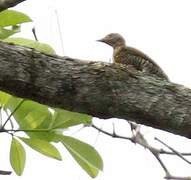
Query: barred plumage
[(127, 55)]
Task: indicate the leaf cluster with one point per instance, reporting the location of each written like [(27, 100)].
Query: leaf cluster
[(10, 24), (43, 126)]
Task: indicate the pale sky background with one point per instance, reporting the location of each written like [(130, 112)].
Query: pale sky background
[(160, 28)]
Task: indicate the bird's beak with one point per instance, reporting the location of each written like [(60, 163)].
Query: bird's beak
[(101, 40)]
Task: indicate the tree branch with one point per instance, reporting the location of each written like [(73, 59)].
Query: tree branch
[(5, 4), (138, 138), (100, 89)]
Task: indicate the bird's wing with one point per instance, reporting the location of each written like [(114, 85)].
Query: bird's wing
[(130, 55), (136, 52)]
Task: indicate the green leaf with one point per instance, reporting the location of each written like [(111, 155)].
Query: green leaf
[(65, 119), (34, 119), (86, 156), (31, 115), (42, 47), (38, 116), (11, 17), (43, 147), (5, 33), (4, 97), (17, 156)]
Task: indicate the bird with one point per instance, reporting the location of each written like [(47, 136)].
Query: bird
[(127, 55)]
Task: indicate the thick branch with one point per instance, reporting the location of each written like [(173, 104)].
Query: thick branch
[(100, 89), (4, 4)]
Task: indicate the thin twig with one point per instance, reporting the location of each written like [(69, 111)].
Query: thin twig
[(2, 172), (156, 155), (177, 178), (20, 103), (162, 151), (26, 130), (34, 33), (110, 134), (139, 139), (11, 123), (173, 150)]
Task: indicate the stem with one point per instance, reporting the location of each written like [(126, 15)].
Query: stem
[(173, 150), (2, 172), (110, 134), (11, 131), (34, 33), (20, 103), (30, 130), (156, 155), (12, 126)]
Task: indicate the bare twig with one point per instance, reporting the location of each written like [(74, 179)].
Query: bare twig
[(2, 172), (156, 155), (138, 138), (177, 178), (34, 33), (110, 134), (162, 151), (173, 150)]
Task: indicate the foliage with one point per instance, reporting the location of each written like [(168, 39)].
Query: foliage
[(43, 147), (42, 125), (4, 33), (11, 18), (86, 156), (42, 47), (17, 156), (10, 22)]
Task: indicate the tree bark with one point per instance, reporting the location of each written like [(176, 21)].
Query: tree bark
[(4, 4), (99, 89)]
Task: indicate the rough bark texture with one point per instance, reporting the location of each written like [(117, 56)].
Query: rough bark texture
[(99, 89), (4, 4)]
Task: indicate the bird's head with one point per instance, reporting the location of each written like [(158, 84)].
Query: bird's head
[(113, 39)]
